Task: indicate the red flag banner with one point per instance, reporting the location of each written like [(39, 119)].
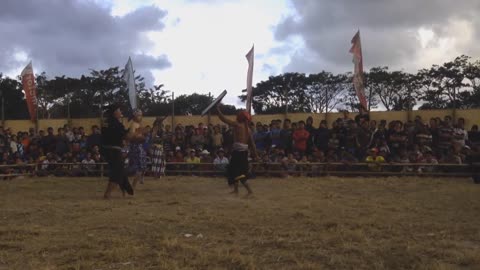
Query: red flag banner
[(358, 83), (250, 56), (28, 83)]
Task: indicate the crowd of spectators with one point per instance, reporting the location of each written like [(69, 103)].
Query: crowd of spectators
[(291, 148)]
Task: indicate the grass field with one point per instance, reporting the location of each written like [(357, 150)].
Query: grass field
[(295, 223)]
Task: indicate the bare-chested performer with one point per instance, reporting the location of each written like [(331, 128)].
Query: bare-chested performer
[(242, 139), (136, 155)]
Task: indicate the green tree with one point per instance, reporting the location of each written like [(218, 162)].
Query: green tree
[(325, 91), (443, 84), (14, 99), (280, 93)]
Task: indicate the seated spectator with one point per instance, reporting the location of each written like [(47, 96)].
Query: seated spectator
[(428, 158), (221, 162), (374, 160), (192, 160), (289, 165), (206, 160), (88, 165)]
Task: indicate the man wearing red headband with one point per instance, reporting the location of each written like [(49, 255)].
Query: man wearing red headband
[(242, 139)]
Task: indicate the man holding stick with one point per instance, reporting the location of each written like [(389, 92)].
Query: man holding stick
[(242, 139)]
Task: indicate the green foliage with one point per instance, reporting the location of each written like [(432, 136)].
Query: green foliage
[(15, 106), (453, 84)]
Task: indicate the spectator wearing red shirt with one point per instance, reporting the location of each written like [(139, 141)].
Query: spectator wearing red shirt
[(300, 138)]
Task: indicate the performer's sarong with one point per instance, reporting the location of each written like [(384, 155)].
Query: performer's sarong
[(158, 160), (116, 168), (238, 168), (137, 158)]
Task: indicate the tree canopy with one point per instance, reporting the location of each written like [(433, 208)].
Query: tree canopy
[(453, 84)]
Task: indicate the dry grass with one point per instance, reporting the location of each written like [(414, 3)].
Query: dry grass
[(325, 223)]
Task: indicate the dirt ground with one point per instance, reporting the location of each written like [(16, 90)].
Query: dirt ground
[(193, 223)]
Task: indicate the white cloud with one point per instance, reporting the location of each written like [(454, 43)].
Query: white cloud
[(206, 43)]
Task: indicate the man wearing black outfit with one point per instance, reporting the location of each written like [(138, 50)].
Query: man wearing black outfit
[(113, 133)]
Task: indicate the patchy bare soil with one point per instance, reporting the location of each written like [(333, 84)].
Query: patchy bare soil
[(193, 223)]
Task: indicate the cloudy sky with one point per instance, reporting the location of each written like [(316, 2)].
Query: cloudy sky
[(200, 45)]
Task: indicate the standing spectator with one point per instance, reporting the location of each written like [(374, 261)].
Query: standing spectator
[(311, 131), (286, 137), (364, 139), (445, 136), (350, 135), (167, 138), (300, 138), (217, 138), (260, 137), (68, 133), (13, 144), (474, 136), (460, 135), (346, 117), (434, 128), (275, 133), (179, 137), (48, 142), (362, 116), (397, 139), (61, 143), (94, 138), (321, 137), (198, 139)]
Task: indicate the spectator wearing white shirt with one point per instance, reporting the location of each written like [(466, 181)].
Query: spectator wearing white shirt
[(221, 162), (88, 164), (460, 135)]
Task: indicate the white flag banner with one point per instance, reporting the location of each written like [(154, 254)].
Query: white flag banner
[(250, 56), (130, 80)]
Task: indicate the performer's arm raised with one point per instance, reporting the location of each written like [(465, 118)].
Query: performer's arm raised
[(224, 119)]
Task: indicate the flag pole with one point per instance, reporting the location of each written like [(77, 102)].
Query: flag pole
[(209, 115), (173, 110), (3, 110), (36, 119), (69, 120), (326, 105)]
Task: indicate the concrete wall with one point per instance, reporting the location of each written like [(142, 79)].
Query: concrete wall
[(472, 116)]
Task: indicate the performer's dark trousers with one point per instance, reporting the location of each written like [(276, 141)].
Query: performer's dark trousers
[(238, 167), (116, 168)]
